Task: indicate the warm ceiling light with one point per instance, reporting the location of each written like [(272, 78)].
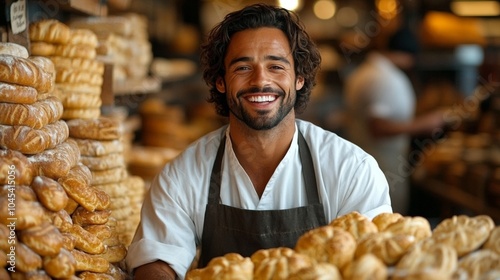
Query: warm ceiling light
[(291, 5), (387, 8), (324, 9), (476, 8)]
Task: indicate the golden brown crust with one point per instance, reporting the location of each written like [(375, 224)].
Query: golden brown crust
[(49, 30), (50, 193), (356, 224), (13, 49), (114, 254), (84, 217), (26, 213), (493, 241), (110, 161), (418, 227), (383, 220), (36, 115), (20, 191), (103, 128), (78, 100), (86, 241), (44, 239), (328, 244), (367, 267), (15, 168), (478, 263), (88, 262), (90, 65), (77, 184), (26, 259), (62, 265), (97, 148), (317, 271), (25, 72), (68, 88), (61, 219), (85, 113), (56, 163), (108, 176), (386, 246), (82, 36), (78, 76), (278, 263), (31, 141), (229, 266), (12, 93)]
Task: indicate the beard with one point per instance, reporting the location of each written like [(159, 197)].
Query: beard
[(264, 120)]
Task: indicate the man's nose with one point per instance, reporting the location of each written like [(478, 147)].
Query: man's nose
[(259, 77)]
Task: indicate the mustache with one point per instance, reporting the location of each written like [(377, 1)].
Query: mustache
[(258, 89)]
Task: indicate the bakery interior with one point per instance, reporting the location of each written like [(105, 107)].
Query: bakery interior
[(149, 84)]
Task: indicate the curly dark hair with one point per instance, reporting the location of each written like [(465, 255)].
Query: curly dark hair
[(306, 56)]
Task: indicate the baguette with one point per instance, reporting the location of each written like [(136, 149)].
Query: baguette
[(33, 141)]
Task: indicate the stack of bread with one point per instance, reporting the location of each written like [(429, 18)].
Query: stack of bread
[(79, 75), (390, 246), (101, 147), (123, 42)]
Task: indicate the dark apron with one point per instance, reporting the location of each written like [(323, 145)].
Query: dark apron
[(233, 230)]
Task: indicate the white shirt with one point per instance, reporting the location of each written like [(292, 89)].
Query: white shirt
[(174, 209), (379, 89)]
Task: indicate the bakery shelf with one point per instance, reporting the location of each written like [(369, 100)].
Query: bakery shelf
[(89, 7), (137, 86)]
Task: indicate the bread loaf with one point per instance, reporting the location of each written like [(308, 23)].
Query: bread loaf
[(386, 246), (50, 193), (109, 176), (87, 262), (104, 162), (50, 30), (36, 115), (97, 148), (56, 163), (62, 265), (367, 267), (79, 100), (86, 113), (62, 220), (356, 224), (86, 241), (12, 93), (229, 266), (383, 220), (44, 239), (68, 88), (30, 141), (25, 72), (103, 128), (15, 167), (23, 192), (74, 76), (418, 227), (323, 271), (84, 217), (81, 36), (13, 49), (114, 254), (476, 264), (80, 64), (278, 263), (26, 259), (27, 213), (77, 185)]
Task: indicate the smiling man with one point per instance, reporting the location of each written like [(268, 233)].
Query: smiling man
[(267, 177)]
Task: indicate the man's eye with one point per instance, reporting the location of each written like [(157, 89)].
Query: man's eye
[(242, 68), (277, 67)]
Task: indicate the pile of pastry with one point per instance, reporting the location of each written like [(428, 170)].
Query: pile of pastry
[(390, 246)]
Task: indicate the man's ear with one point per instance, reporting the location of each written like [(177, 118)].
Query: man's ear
[(299, 83), (220, 85)]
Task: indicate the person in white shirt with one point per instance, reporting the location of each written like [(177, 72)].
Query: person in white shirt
[(264, 179)]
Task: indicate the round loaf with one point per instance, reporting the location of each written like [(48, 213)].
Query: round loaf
[(14, 166), (281, 266), (383, 220), (97, 148), (356, 224), (50, 193), (13, 49), (478, 263), (493, 241), (463, 233), (56, 163), (12, 93), (367, 267), (88, 262), (77, 184), (49, 30), (63, 265), (386, 246), (418, 227), (82, 36), (79, 100), (31, 141), (26, 259), (80, 64), (103, 128), (44, 239), (27, 213), (328, 244), (86, 241), (323, 271), (87, 113), (229, 266), (25, 72), (36, 115), (74, 76)]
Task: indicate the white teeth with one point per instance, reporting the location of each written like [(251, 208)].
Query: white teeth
[(266, 98)]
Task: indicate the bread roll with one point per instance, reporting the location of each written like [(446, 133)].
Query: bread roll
[(62, 220), (77, 186), (42, 49), (419, 227), (86, 241), (229, 266), (36, 115), (69, 241), (97, 148), (383, 220), (27, 213), (87, 262), (12, 93), (103, 128), (14, 166), (317, 271), (114, 254), (44, 239), (56, 163), (356, 224), (328, 244), (31, 141), (463, 233), (20, 191), (493, 241), (26, 259), (71, 206), (386, 246), (367, 267), (62, 265), (50, 193), (81, 36), (25, 72), (84, 217), (13, 49), (49, 30), (278, 263), (100, 231), (478, 263)]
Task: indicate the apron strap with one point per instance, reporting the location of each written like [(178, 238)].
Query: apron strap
[(307, 172)]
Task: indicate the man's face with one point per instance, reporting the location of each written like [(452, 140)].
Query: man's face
[(260, 83)]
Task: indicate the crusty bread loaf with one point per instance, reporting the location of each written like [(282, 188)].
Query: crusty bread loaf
[(49, 30), (36, 115), (229, 266), (383, 220), (26, 72), (26, 259), (77, 184), (78, 100), (386, 246), (97, 148), (87, 113), (100, 231), (12, 93), (103, 128), (50, 193), (71, 51), (77, 76), (82, 36), (90, 65), (27, 213), (66, 88), (23, 192), (88, 262), (56, 163), (44, 239), (85, 217), (31, 141), (328, 244), (86, 241), (355, 223), (14, 166), (62, 265), (114, 254), (13, 49)]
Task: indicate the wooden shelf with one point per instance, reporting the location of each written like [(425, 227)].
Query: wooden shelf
[(89, 7), (459, 197)]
